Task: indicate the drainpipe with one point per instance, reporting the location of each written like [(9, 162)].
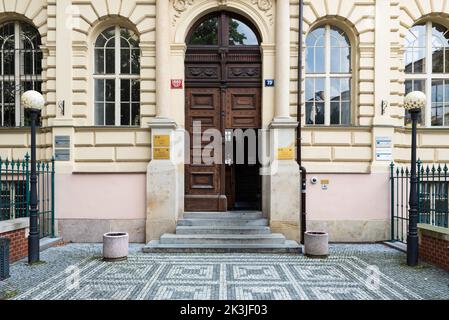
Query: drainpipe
[(298, 131)]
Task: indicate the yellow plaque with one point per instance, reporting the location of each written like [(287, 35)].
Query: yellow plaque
[(324, 181), (286, 154), (161, 141), (161, 153)]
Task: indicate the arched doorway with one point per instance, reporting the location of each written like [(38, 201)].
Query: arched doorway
[(223, 91)]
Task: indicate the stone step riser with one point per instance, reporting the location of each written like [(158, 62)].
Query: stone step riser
[(226, 215), (222, 222), (288, 247), (218, 230), (222, 239)]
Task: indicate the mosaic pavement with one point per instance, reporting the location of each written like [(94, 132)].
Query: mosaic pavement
[(220, 276)]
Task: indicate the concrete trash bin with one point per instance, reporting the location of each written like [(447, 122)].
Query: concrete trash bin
[(316, 244), (115, 246)]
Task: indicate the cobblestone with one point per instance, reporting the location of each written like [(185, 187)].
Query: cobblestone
[(366, 272)]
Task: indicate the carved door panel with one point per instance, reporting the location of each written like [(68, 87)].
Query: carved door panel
[(202, 180), (243, 108)]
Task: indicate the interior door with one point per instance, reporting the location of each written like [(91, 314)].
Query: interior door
[(203, 181)]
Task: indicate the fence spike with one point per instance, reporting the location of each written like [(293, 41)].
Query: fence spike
[(445, 169), (406, 171)]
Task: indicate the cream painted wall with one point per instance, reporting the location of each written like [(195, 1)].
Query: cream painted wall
[(332, 149)]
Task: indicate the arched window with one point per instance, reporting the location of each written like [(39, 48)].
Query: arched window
[(21, 69), (234, 32), (328, 77), (427, 70), (117, 78)]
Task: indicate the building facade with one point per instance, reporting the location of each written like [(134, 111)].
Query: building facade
[(125, 81)]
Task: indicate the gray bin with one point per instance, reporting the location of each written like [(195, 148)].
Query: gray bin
[(4, 258)]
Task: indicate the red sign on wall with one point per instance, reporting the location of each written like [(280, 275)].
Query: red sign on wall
[(176, 83)]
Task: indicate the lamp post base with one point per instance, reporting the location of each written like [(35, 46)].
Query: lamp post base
[(412, 251)]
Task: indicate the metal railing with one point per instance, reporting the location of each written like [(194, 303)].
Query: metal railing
[(15, 192), (433, 204)]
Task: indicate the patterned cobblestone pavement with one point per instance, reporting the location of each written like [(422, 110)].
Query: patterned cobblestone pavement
[(364, 272)]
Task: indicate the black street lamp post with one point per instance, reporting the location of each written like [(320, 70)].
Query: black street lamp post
[(34, 102), (413, 102)]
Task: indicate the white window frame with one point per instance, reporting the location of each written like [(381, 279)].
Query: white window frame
[(327, 75), (19, 77), (428, 76), (117, 76)]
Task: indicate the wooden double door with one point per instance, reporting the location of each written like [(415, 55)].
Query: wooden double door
[(223, 92)]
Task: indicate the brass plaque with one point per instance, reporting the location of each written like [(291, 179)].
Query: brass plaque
[(161, 153), (286, 154), (324, 181), (161, 141)]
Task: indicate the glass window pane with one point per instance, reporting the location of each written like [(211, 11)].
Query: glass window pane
[(99, 90), (99, 114), (125, 94), (408, 60), (241, 34), (438, 60), (335, 89), (135, 90), (110, 61), (335, 60), (446, 115), (110, 90), (345, 113), (319, 89), (437, 91), (8, 62), (206, 33), (309, 89), (320, 64), (135, 114), (99, 61), (310, 60), (419, 60), (125, 61), (437, 114), (345, 65), (135, 61), (309, 113), (319, 110), (335, 112), (110, 114), (345, 85), (125, 114)]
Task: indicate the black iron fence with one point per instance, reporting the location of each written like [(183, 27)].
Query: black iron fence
[(15, 192), (433, 204)]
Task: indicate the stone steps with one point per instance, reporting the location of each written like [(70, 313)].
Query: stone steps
[(242, 231), (223, 230)]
